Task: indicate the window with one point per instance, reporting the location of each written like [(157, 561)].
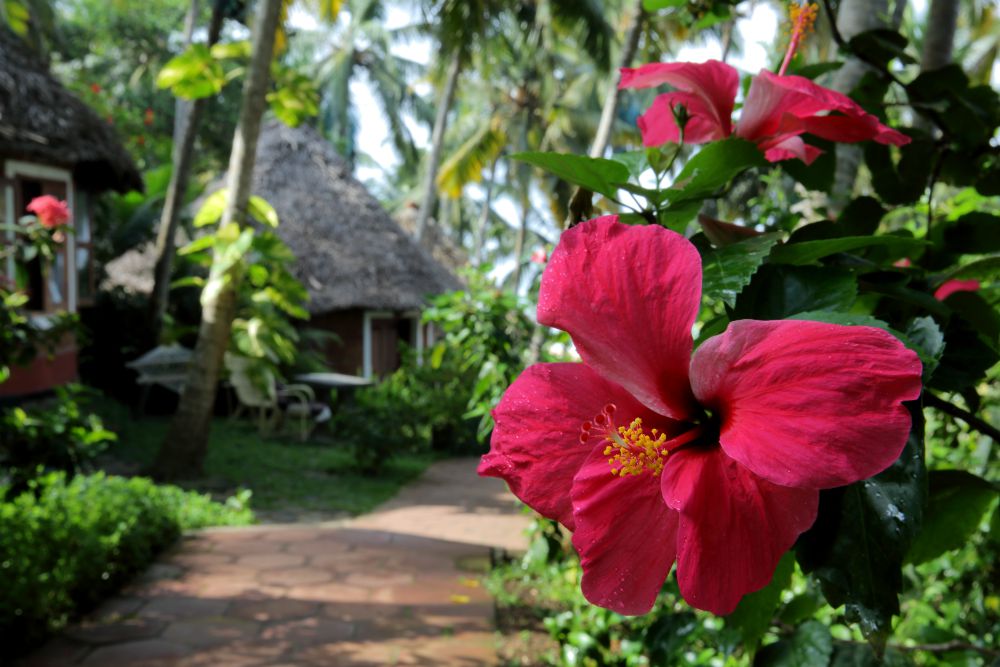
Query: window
[(47, 286), (86, 290)]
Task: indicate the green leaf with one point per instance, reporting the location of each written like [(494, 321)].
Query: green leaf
[(778, 292), (595, 174), (880, 46), (927, 340), (808, 252), (848, 319), (974, 233), (857, 545), (654, 5), (232, 50), (211, 210), (199, 244), (262, 211), (755, 611), (981, 269), (847, 654), (193, 74), (955, 507), (811, 645), (727, 270), (713, 167)]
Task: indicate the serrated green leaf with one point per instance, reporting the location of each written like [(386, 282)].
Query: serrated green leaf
[(811, 645), (857, 545), (807, 252), (981, 269), (595, 174), (727, 270), (193, 74), (957, 502)]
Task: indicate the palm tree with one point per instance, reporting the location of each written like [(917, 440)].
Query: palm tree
[(183, 452), (362, 46)]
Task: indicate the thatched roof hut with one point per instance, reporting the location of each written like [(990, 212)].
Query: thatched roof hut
[(42, 122), (351, 254)]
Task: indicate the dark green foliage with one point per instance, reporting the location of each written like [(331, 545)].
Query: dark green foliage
[(65, 545), (51, 435), (857, 546)]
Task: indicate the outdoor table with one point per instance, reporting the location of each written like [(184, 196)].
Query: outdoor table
[(332, 380)]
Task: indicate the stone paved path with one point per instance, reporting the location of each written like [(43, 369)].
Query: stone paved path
[(400, 586)]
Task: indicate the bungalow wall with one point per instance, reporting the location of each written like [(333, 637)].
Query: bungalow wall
[(62, 287), (369, 340)]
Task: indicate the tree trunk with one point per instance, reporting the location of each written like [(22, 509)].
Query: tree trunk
[(479, 233), (629, 48), (942, 17), (580, 202), (182, 107), (183, 157), (183, 452), (854, 17), (437, 144), (522, 233)]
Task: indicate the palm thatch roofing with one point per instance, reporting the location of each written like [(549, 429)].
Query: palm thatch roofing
[(351, 253), (43, 122)]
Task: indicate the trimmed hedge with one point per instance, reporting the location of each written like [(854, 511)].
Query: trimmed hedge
[(64, 546)]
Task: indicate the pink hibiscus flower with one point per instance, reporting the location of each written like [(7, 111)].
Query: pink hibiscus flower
[(949, 287), (777, 111), (651, 455), (51, 212)]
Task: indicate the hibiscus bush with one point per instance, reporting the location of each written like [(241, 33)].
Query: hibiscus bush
[(761, 362)]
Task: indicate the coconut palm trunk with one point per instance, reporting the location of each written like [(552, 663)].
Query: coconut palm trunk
[(183, 452), (186, 126), (853, 18), (437, 143), (939, 38)]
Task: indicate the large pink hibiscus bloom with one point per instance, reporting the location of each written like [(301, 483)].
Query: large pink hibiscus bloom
[(651, 455), (777, 111)]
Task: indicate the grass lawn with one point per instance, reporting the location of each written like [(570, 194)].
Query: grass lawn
[(282, 472)]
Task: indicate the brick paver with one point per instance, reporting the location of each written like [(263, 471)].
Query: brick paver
[(399, 586)]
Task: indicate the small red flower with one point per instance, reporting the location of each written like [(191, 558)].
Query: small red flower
[(651, 455), (95, 88), (777, 111), (949, 287), (51, 212), (539, 256), (147, 117)]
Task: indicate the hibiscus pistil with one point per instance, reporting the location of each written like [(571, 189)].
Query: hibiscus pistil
[(803, 18)]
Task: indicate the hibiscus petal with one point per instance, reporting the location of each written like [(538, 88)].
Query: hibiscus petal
[(628, 296), (789, 148), (659, 127), (536, 445), (625, 535), (734, 526), (772, 97), (808, 404), (712, 81)]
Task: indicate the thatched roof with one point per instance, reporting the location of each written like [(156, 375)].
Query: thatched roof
[(350, 251), (43, 122)]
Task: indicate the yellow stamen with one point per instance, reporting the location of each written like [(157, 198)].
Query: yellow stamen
[(803, 17), (634, 452)]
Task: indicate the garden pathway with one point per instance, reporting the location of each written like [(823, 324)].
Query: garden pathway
[(399, 586)]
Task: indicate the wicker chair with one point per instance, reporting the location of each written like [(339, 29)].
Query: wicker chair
[(270, 405)]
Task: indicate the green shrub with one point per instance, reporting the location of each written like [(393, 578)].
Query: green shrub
[(65, 545), (53, 435)]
